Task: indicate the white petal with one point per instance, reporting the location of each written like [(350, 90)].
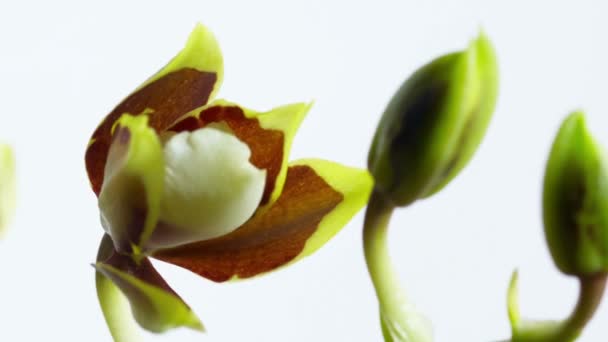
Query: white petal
[(211, 188)]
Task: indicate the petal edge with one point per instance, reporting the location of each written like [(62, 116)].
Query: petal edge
[(188, 81), (154, 305), (353, 183), (279, 236)]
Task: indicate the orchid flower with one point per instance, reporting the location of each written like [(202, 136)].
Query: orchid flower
[(205, 185)]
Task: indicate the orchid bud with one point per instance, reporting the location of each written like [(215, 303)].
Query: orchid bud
[(575, 200), (434, 123)]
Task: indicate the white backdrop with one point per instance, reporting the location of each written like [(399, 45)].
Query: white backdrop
[(65, 64)]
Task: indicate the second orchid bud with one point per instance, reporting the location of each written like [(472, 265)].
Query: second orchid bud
[(434, 123), (575, 200)]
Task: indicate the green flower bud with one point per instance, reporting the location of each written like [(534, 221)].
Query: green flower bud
[(575, 200), (434, 123)]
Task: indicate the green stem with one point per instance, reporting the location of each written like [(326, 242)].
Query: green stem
[(590, 296), (400, 320), (379, 265)]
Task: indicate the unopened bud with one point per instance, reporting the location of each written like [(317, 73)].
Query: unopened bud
[(434, 123)]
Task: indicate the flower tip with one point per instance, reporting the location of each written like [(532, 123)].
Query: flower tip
[(201, 52), (202, 43), (577, 119), (196, 325), (481, 40), (200, 33), (484, 54), (308, 105), (482, 36), (303, 111), (574, 128)]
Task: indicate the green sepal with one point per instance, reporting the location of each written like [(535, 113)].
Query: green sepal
[(153, 303), (434, 123), (575, 200)]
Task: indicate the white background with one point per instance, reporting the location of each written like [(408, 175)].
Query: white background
[(65, 64)]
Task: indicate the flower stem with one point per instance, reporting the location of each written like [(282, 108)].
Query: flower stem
[(400, 320), (590, 296), (379, 265)]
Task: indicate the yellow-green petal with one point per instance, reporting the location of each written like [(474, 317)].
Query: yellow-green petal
[(201, 52), (286, 119), (354, 184), (160, 311), (154, 305), (7, 186), (114, 305), (131, 193)]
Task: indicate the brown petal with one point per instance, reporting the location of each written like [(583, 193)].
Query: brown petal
[(272, 238), (144, 270), (166, 98)]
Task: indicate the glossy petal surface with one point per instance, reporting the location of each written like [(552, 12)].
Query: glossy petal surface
[(210, 188), (269, 135)]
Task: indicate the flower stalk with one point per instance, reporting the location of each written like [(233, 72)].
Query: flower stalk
[(375, 245), (399, 318), (428, 133), (591, 291)]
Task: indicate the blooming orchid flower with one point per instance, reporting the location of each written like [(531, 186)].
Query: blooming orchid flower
[(204, 185)]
